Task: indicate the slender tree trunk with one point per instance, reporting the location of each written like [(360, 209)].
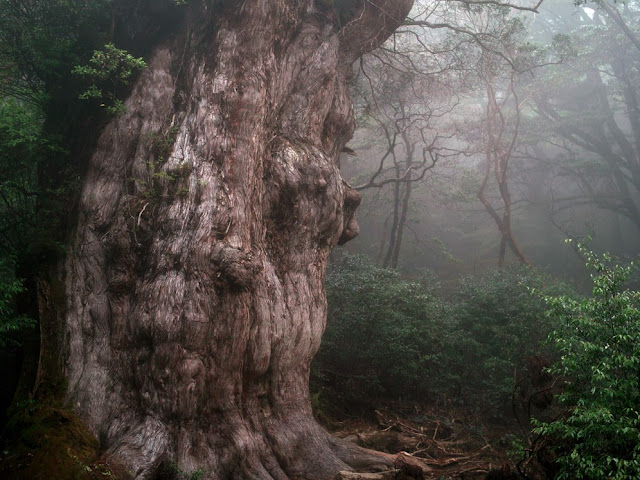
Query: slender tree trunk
[(195, 277), (402, 221), (383, 242), (502, 250), (497, 159), (409, 148), (393, 234)]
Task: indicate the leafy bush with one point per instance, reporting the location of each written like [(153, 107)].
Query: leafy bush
[(41, 41), (108, 70), (12, 325), (390, 337), (599, 339), (382, 332), (20, 142), (498, 325)]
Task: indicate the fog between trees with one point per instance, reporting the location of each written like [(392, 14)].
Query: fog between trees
[(507, 132)]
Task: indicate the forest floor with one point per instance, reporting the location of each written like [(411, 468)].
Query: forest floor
[(453, 442)]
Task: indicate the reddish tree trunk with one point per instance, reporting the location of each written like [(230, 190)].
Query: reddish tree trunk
[(195, 279)]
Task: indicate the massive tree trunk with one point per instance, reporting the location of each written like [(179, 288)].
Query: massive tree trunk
[(194, 280)]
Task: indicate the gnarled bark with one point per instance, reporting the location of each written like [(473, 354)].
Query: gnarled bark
[(195, 277)]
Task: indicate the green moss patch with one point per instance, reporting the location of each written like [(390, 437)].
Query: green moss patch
[(45, 442)]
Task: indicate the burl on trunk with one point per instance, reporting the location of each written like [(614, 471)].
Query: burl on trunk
[(194, 280)]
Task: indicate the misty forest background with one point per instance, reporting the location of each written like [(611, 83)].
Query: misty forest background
[(497, 149)]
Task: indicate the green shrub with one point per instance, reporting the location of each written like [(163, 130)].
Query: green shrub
[(390, 337), (108, 70), (20, 143), (382, 336), (599, 340), (12, 325), (498, 325)]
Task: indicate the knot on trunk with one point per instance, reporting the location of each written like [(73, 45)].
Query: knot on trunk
[(235, 266), (350, 229)]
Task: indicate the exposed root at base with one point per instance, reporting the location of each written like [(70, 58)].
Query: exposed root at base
[(375, 465)]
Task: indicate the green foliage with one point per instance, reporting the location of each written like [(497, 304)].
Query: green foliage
[(381, 336), (163, 182), (41, 40), (12, 325), (515, 448), (599, 340), (171, 471), (162, 142), (107, 71), (21, 143), (498, 325), (387, 336)]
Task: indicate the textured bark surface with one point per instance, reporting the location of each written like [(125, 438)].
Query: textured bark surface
[(194, 281)]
